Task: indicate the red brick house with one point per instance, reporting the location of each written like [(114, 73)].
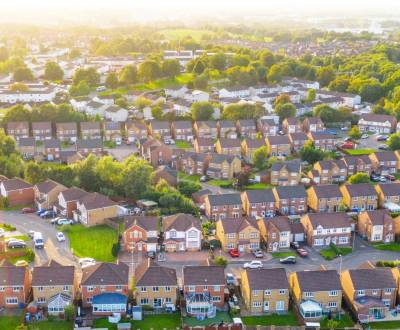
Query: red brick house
[(290, 199), (17, 191), (67, 201), (141, 233)]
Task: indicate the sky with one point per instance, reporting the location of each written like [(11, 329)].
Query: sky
[(77, 11)]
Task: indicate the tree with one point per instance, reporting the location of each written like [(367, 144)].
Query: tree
[(282, 99), (18, 87), (267, 58), (149, 70), (128, 75), (112, 80), (4, 54), (187, 188), (136, 176), (221, 261), (359, 178), (311, 94), (285, 111), (157, 112), (355, 133), (371, 92), (200, 82), (23, 74), (170, 68), (90, 75), (89, 180), (53, 71), (202, 110), (142, 102), (260, 158), (218, 61), (394, 141), (74, 54), (310, 154), (242, 110), (81, 89), (325, 75), (34, 173)]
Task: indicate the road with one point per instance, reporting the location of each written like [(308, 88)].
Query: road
[(59, 251)]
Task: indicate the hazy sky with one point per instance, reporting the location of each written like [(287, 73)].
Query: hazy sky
[(53, 11)]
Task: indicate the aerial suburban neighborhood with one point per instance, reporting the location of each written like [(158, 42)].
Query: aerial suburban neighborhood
[(227, 173)]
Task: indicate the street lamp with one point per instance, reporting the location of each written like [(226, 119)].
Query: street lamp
[(340, 264)]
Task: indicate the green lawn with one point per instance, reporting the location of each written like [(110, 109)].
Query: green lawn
[(283, 254), (330, 254), (259, 185), (7, 227), (274, 319), (51, 325), (10, 322), (109, 144), (221, 316), (357, 152), (180, 80), (121, 90), (187, 177), (174, 34), (14, 208), (160, 321), (221, 183), (387, 247), (344, 322), (397, 176), (183, 144), (94, 242), (385, 325)]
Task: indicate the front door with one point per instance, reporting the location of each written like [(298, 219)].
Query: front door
[(181, 246), (327, 241), (266, 306), (280, 305), (157, 302), (139, 246), (275, 246)]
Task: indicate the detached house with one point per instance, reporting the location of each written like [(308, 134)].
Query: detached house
[(290, 199), (377, 123), (17, 192), (238, 233), (385, 162), (67, 131), (357, 164), (52, 149), (359, 197), (275, 233), (27, 147), (370, 293), (325, 198), (90, 130), (206, 129), (203, 290), (54, 286), (376, 226), (388, 193), (46, 194), (156, 286), (316, 293), (18, 129), (159, 129), (228, 146), (15, 283), (67, 201), (313, 124), (292, 125), (223, 166), (182, 232), (94, 208), (259, 203), (331, 171), (141, 233), (182, 131), (105, 288), (286, 173), (323, 229), (42, 130), (116, 113), (223, 206), (323, 141), (193, 163), (278, 146), (265, 290)]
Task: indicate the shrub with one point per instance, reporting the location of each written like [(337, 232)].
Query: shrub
[(220, 261), (115, 249), (388, 263), (69, 312), (30, 255), (334, 248)]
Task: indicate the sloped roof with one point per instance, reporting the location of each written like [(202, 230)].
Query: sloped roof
[(149, 273), (106, 273)]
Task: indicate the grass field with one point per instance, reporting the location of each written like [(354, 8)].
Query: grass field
[(388, 247), (283, 254), (221, 316), (51, 325), (187, 177), (385, 325), (174, 34), (221, 183), (160, 321), (94, 242), (10, 322), (274, 319), (344, 322), (259, 185), (183, 144), (180, 80), (357, 152), (330, 254)]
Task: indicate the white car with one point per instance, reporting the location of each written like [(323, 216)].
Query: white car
[(365, 136), (85, 262), (2, 231), (253, 264), (60, 237), (64, 222)]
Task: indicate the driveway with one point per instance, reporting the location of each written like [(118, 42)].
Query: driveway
[(53, 249), (123, 151)]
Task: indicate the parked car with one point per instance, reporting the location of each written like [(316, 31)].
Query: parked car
[(39, 212), (14, 244), (22, 263), (203, 178), (302, 253), (375, 177), (390, 177), (365, 136), (347, 145), (382, 179), (234, 253), (28, 210), (2, 231), (288, 260), (294, 245), (381, 138), (31, 233), (253, 264), (258, 253), (85, 262), (60, 236), (230, 279), (48, 214), (383, 147), (65, 222)]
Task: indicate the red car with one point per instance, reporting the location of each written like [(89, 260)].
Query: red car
[(302, 253), (234, 253), (348, 145), (28, 210)]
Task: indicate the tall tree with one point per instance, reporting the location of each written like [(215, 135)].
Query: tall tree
[(201, 110), (170, 68), (23, 74), (112, 80), (128, 75), (53, 71), (149, 70)]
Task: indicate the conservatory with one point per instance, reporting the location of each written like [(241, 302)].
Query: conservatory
[(310, 310)]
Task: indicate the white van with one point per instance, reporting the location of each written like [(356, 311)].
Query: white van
[(38, 240)]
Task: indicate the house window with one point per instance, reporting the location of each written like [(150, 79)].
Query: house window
[(216, 288), (374, 292), (205, 288), (102, 288), (16, 288), (282, 291), (168, 300), (216, 298), (360, 292), (89, 288), (118, 288), (11, 301), (191, 288), (192, 234), (144, 301), (1, 288), (66, 288), (155, 288), (308, 294), (255, 292), (172, 233), (267, 292), (343, 240), (333, 293), (167, 289), (332, 304), (388, 290), (256, 303), (41, 300), (40, 288)]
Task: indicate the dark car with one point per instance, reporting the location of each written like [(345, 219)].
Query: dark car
[(295, 245), (234, 253), (28, 210), (302, 253), (390, 177), (288, 260)]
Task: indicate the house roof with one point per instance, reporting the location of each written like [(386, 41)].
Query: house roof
[(279, 139), (18, 125), (41, 125), (15, 184), (209, 123), (229, 143), (247, 123), (52, 274), (66, 126), (149, 273), (90, 125), (360, 159), (329, 220), (313, 120), (73, 194), (360, 189), (220, 158), (112, 126), (386, 156), (236, 225), (11, 275), (318, 280), (27, 142), (93, 201), (114, 108), (264, 279), (281, 223), (52, 143), (195, 156), (298, 136), (148, 223), (321, 136), (106, 273), (156, 124), (285, 192), (47, 186), (227, 124), (225, 199), (255, 143), (89, 144), (390, 189), (327, 191), (182, 124), (203, 275), (205, 142), (330, 163), (375, 278), (378, 217), (180, 222), (377, 118), (293, 166), (260, 195), (292, 120)]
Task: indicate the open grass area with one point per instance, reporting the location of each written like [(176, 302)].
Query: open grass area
[(344, 322), (94, 242), (174, 34), (120, 90), (357, 152), (259, 185), (283, 254), (397, 176), (179, 80), (187, 177), (330, 254), (221, 316), (221, 183), (387, 247), (51, 325), (160, 321), (183, 144), (14, 208), (10, 322), (274, 319), (7, 227), (385, 325)]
